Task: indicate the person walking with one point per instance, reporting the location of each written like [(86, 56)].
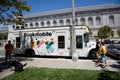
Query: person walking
[(102, 55), (97, 47), (8, 51)]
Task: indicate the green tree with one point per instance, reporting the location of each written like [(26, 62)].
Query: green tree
[(118, 32), (11, 10), (112, 33), (19, 6), (104, 32), (1, 36)]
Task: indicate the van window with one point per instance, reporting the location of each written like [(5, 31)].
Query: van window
[(61, 42), (79, 41), (86, 37), (18, 42)]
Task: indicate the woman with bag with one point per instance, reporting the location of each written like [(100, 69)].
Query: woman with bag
[(102, 55)]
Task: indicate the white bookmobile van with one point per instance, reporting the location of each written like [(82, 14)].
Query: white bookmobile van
[(51, 41)]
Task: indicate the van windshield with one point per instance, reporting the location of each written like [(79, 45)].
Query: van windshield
[(118, 47), (86, 37)]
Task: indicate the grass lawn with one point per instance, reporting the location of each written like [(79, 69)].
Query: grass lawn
[(33, 73)]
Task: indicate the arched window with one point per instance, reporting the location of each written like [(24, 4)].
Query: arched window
[(22, 27), (98, 21), (48, 23), (61, 22), (26, 25), (13, 26), (17, 27), (90, 21), (54, 22), (82, 20), (36, 24), (31, 25), (111, 20), (68, 21), (42, 24)]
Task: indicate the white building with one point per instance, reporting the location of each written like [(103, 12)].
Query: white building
[(92, 16), (3, 29)]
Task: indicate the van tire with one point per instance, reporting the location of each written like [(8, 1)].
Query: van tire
[(92, 54), (29, 53)]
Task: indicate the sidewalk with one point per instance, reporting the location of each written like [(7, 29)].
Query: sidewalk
[(69, 64), (61, 63)]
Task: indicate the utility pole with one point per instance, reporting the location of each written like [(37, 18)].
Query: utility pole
[(73, 37)]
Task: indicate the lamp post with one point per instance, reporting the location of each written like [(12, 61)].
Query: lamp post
[(73, 37)]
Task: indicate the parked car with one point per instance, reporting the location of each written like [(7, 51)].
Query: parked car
[(115, 41), (107, 41), (113, 50)]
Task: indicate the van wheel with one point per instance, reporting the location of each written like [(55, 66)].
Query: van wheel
[(29, 53), (92, 54), (118, 57)]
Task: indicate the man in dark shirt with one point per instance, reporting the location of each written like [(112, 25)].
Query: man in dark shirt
[(97, 47), (8, 51)]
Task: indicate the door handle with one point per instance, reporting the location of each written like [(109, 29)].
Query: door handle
[(68, 48)]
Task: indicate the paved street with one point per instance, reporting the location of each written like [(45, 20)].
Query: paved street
[(2, 53)]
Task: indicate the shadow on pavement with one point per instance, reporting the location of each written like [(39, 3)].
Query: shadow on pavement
[(114, 65), (118, 62), (4, 66), (109, 75), (117, 66)]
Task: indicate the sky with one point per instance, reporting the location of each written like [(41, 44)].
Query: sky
[(38, 6)]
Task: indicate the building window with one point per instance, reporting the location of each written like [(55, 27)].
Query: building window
[(17, 27), (48, 23), (61, 42), (13, 26), (22, 27), (111, 20), (90, 21), (31, 25), (68, 21), (26, 25), (36, 24), (61, 22), (54, 22), (98, 21), (82, 20), (42, 24)]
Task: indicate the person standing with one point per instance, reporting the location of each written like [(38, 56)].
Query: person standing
[(8, 51)]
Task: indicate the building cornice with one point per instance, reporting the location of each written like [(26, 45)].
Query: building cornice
[(69, 10)]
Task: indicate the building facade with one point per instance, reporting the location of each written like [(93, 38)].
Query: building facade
[(3, 29), (92, 16)]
